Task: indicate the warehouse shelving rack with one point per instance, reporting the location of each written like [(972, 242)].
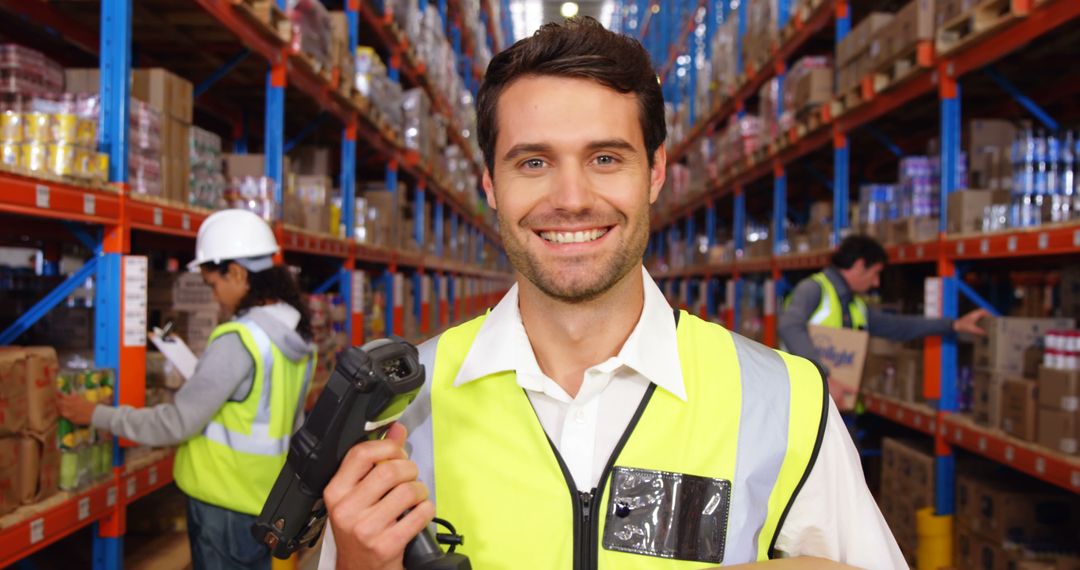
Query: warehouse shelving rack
[(697, 286), (47, 206)]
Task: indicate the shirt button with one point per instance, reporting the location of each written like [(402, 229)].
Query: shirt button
[(579, 417)]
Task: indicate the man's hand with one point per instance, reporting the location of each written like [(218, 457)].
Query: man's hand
[(374, 487), (77, 409), (969, 323)]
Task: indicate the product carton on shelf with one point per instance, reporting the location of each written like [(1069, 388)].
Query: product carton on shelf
[(907, 485), (164, 91), (913, 23), (1003, 508), (1059, 430), (10, 467), (1059, 389), (1007, 339), (40, 368), (13, 395), (1018, 408), (966, 208), (39, 477), (986, 396)]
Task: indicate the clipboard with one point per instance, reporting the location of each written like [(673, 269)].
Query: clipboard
[(175, 350)]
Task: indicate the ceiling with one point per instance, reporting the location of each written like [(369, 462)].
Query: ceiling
[(585, 8)]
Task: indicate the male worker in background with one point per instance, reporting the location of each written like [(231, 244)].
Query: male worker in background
[(832, 298), (581, 423)]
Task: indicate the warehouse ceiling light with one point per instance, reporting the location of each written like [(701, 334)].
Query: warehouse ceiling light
[(568, 9)]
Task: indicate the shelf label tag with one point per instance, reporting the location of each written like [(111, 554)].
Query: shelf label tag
[(110, 497), (136, 270), (158, 217), (153, 475), (41, 196), (1044, 240), (960, 248), (84, 508), (1010, 453), (185, 222), (958, 435), (89, 204), (1076, 238), (901, 253), (982, 443), (37, 531), (1011, 245), (919, 251), (1076, 479), (918, 421), (131, 486), (1040, 465), (984, 246), (932, 297)]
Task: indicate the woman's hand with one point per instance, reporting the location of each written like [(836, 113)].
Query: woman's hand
[(77, 409)]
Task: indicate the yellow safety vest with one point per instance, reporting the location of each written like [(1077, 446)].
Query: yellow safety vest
[(828, 313), (752, 423), (234, 462)]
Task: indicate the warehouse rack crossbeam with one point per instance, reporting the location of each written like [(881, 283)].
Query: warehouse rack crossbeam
[(938, 75)]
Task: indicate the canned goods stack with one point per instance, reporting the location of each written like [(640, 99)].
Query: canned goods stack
[(252, 193), (373, 83), (85, 454), (29, 72), (1062, 350), (1044, 186), (206, 176)]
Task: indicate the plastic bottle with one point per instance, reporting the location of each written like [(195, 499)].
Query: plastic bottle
[(1068, 185), (1053, 179)]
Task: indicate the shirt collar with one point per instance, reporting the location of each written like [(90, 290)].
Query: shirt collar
[(651, 350)]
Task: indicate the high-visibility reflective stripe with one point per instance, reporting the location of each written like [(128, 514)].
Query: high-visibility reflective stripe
[(417, 419), (266, 348), (763, 431), (258, 442)]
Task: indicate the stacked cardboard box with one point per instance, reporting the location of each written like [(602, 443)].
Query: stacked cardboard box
[(1058, 405), (187, 302), (29, 456), (989, 144), (1005, 354), (967, 208), (907, 485), (1002, 519), (853, 57), (341, 59), (898, 38), (248, 187)]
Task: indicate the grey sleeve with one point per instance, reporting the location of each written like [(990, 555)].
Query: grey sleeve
[(902, 328), (793, 319), (223, 369)]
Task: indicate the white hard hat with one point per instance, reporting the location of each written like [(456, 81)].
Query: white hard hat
[(235, 235)]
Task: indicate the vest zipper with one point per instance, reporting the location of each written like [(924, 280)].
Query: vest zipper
[(586, 537)]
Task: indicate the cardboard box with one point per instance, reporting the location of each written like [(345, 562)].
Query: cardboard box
[(1006, 508), (966, 208), (311, 160), (175, 159), (1002, 350), (41, 366), (245, 165), (913, 230), (1059, 389), (13, 395), (908, 382), (843, 352), (1059, 430), (973, 550), (10, 467), (164, 91), (39, 476), (815, 87), (1018, 408), (986, 397), (913, 23)]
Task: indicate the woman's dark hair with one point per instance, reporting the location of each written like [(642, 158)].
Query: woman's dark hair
[(271, 286), (857, 247), (579, 48)]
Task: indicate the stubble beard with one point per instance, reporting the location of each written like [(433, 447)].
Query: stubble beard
[(588, 283)]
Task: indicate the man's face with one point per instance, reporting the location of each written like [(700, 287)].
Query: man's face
[(572, 184), (863, 279)]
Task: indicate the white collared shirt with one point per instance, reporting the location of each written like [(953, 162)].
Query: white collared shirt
[(834, 516)]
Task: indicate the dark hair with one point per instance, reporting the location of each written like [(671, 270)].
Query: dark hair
[(269, 286), (857, 247), (580, 48)]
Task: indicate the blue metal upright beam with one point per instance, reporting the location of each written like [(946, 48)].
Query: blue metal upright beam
[(740, 34), (274, 130), (440, 228), (419, 223), (710, 223)]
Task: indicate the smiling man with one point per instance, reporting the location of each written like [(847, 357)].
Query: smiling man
[(582, 423)]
